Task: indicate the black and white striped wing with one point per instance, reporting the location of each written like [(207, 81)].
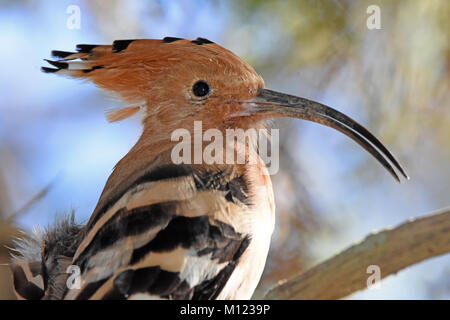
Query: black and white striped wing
[(169, 235)]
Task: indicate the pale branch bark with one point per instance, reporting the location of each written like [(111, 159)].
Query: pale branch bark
[(391, 249)]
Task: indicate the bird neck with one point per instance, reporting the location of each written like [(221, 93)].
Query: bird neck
[(158, 148)]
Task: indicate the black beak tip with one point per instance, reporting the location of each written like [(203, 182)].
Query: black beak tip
[(403, 173)]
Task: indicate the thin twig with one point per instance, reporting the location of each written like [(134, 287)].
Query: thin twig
[(41, 194)]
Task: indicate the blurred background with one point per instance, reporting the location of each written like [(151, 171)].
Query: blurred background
[(57, 149)]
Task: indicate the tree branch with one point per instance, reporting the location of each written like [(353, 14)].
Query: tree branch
[(391, 249)]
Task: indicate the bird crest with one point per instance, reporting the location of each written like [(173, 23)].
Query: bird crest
[(159, 76)]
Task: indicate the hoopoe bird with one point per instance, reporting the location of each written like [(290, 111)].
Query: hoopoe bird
[(165, 230)]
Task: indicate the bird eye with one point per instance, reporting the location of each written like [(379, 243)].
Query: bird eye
[(200, 88)]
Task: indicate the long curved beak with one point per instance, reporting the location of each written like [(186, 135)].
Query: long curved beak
[(276, 104)]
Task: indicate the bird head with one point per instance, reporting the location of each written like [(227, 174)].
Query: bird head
[(177, 81)]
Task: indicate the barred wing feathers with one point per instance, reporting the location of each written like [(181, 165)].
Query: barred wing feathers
[(168, 235)]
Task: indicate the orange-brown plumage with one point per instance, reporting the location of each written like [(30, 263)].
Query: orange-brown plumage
[(159, 75), (162, 229)]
